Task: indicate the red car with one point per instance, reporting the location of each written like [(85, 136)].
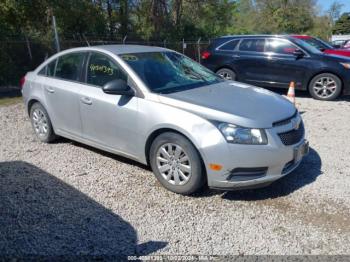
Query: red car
[(323, 46)]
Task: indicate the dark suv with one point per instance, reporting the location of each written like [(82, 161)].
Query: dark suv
[(275, 61)]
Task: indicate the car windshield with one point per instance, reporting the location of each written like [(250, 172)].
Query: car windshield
[(168, 72), (308, 47), (319, 44)]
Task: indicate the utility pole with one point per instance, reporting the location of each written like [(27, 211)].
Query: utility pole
[(57, 41), (199, 50)]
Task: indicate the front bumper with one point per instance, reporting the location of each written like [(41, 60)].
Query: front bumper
[(253, 166)]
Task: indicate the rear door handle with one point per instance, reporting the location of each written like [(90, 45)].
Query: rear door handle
[(49, 89), (86, 100), (236, 56)]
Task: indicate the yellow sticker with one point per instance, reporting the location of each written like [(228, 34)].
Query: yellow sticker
[(129, 57), (101, 68)]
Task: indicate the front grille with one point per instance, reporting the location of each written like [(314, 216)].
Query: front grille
[(293, 136)]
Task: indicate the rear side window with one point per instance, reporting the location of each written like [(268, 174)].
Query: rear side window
[(69, 66), (42, 72), (229, 46), (48, 70), (102, 69), (280, 46), (51, 68), (252, 45)]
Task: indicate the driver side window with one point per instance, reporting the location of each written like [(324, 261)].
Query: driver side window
[(101, 69)]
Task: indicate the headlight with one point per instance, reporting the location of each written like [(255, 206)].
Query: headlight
[(346, 65), (241, 135)]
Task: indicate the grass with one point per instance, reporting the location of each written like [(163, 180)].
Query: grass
[(6, 101)]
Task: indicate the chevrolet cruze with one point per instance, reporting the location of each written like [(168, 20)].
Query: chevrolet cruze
[(160, 108)]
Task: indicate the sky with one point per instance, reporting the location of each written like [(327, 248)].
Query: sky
[(325, 4)]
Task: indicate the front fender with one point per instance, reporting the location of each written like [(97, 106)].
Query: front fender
[(203, 134)]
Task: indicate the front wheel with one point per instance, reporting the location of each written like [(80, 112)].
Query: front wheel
[(325, 87), (176, 163)]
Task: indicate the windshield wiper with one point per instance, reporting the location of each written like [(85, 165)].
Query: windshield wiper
[(189, 71)]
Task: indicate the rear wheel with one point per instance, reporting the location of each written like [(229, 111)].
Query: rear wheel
[(176, 163), (41, 123), (226, 74), (325, 87)]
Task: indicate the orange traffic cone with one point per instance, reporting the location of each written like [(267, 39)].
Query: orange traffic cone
[(291, 92)]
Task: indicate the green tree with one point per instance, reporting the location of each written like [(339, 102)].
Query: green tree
[(342, 25), (280, 17), (177, 19)]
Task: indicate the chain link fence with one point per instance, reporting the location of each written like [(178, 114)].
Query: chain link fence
[(18, 56)]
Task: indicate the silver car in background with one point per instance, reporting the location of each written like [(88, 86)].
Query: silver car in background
[(161, 108)]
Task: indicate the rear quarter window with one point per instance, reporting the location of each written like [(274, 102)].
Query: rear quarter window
[(48, 70), (229, 46), (42, 72)]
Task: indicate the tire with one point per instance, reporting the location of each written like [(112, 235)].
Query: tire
[(226, 74), (175, 176), (41, 123), (325, 87)]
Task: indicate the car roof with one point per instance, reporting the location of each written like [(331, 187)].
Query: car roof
[(221, 39), (251, 36), (117, 49), (125, 49)]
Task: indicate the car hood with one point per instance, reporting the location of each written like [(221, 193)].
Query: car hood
[(233, 102), (340, 52), (335, 57)]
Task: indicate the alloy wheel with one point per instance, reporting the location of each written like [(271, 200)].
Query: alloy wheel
[(226, 74), (325, 87), (40, 122)]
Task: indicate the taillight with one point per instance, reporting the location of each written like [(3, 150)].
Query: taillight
[(22, 81), (206, 55)]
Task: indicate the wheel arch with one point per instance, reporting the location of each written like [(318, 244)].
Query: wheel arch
[(227, 67), (30, 103), (162, 130), (34, 100)]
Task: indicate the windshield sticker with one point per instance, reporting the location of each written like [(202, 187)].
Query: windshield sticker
[(129, 57), (101, 68)]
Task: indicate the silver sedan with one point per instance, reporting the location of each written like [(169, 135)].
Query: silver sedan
[(161, 108)]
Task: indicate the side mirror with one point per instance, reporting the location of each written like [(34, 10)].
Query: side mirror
[(118, 87), (298, 53)]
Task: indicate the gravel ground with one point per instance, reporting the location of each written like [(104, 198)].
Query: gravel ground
[(69, 199)]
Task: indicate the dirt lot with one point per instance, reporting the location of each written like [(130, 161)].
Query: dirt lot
[(69, 199)]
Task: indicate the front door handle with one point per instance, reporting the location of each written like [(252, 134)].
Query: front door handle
[(86, 100), (49, 89), (236, 56)]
